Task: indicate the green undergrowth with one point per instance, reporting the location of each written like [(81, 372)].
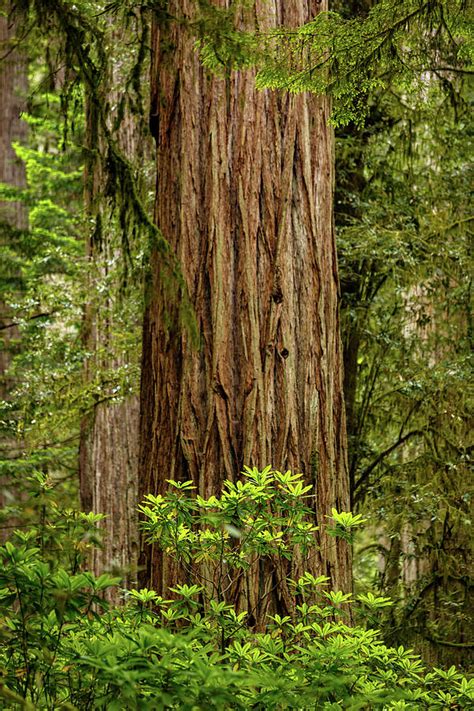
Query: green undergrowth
[(62, 647)]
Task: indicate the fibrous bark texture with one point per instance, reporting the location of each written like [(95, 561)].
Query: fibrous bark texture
[(245, 197), (108, 468), (13, 93)]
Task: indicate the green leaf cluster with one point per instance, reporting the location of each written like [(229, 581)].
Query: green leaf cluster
[(63, 647), (264, 514)]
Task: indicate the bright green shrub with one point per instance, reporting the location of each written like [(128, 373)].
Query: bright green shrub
[(61, 647)]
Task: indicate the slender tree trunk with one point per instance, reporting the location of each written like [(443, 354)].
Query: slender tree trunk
[(108, 477), (245, 197), (108, 458), (13, 215), (13, 95), (108, 452)]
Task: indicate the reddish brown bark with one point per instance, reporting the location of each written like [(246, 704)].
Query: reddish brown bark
[(13, 94), (108, 469), (245, 197)]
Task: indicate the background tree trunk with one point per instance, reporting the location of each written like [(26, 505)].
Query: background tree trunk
[(108, 457), (245, 197), (13, 215), (108, 451), (13, 95), (108, 464)]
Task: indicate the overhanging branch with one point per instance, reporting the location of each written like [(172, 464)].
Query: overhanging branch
[(401, 440)]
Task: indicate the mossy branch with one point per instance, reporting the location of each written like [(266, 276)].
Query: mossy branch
[(82, 44)]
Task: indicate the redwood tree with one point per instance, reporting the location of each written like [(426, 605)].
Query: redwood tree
[(245, 198)]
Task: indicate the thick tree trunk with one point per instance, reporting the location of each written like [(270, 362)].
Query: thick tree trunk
[(245, 197), (13, 215)]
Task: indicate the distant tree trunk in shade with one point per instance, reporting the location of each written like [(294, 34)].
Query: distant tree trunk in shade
[(356, 288), (245, 197), (13, 215), (13, 95), (108, 477), (108, 456)]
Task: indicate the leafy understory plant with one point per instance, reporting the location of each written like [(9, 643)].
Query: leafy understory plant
[(241, 544), (266, 516), (62, 647)]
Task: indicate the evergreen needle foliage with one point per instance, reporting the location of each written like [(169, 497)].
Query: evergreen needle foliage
[(402, 42)]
